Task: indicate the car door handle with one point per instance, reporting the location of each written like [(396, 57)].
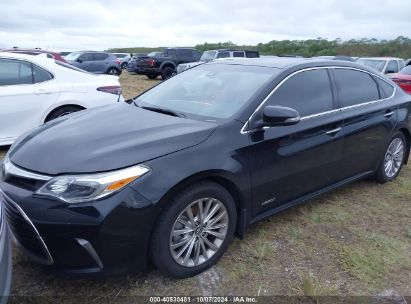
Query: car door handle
[(388, 114), (41, 91), (333, 131)]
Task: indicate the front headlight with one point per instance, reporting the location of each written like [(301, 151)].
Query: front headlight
[(88, 187)]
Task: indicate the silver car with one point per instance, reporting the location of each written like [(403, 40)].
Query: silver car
[(5, 256)]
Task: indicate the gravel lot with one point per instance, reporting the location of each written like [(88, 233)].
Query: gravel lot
[(353, 241)]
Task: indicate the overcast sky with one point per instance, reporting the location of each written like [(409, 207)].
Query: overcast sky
[(101, 24)]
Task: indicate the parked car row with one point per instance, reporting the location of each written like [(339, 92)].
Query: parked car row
[(174, 176), (35, 90)]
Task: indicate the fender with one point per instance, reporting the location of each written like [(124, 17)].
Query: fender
[(168, 62), (60, 104)]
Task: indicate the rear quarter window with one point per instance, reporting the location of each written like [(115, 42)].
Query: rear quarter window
[(386, 89)]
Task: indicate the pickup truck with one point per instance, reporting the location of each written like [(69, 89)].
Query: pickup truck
[(216, 55), (166, 64)]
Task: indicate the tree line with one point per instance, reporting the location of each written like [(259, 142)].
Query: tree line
[(398, 47)]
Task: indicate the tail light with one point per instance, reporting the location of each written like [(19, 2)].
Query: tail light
[(118, 61), (151, 62), (402, 81), (116, 90)]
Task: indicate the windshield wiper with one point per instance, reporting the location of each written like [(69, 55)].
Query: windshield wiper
[(163, 111)]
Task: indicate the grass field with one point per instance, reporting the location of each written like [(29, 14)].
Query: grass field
[(353, 241)]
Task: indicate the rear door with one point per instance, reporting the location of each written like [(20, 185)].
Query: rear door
[(290, 161), (26, 92), (369, 118), (101, 62)]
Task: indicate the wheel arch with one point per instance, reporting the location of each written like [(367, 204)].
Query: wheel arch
[(167, 64), (221, 178), (407, 135), (51, 111)]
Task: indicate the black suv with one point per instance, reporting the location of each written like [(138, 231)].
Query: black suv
[(166, 65)]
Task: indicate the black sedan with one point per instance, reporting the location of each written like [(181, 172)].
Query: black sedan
[(197, 159), (5, 258)]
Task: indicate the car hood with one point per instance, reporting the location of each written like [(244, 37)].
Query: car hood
[(106, 138)]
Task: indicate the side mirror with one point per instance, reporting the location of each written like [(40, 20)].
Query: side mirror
[(389, 72), (79, 60), (279, 116)]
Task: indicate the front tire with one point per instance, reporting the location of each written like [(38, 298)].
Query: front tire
[(194, 230), (393, 159), (151, 76)]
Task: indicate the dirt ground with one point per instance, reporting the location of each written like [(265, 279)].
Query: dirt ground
[(350, 242)]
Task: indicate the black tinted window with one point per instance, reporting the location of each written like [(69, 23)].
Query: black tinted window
[(186, 53), (40, 75), (392, 67), (170, 52), (223, 54), (86, 57), (238, 54), (307, 92), (386, 89), (14, 72), (355, 87), (100, 56)]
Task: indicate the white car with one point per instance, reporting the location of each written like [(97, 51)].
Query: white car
[(384, 65), (212, 55), (34, 90)]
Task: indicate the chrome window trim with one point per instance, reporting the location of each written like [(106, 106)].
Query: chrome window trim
[(50, 260), (244, 131), (11, 169)]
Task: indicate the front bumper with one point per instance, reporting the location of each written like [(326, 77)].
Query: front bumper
[(5, 258), (102, 238)]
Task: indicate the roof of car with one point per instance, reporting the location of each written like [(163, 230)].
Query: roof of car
[(17, 50), (286, 62), (380, 58)]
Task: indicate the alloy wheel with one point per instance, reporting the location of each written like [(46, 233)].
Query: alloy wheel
[(198, 232), (394, 157)]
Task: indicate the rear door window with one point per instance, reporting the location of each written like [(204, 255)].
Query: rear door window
[(15, 72), (100, 56), (223, 54), (355, 87), (87, 57), (238, 54), (308, 92)]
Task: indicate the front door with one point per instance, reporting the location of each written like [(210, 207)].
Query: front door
[(291, 161)]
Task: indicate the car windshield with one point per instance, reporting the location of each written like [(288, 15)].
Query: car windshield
[(208, 56), (406, 70), (73, 56), (373, 63), (213, 91)]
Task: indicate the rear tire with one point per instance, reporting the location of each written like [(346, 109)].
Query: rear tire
[(113, 71), (204, 235), (167, 72), (63, 111), (393, 159)]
